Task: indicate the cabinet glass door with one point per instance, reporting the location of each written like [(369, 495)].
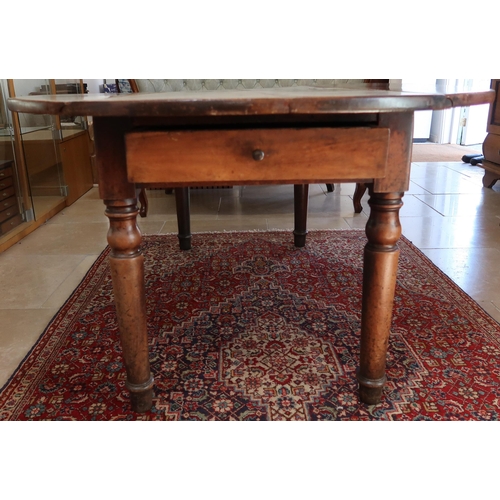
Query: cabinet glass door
[(39, 135)]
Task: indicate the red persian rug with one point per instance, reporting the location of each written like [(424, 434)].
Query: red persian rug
[(247, 327)]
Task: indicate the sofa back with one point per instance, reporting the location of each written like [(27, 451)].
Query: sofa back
[(189, 85)]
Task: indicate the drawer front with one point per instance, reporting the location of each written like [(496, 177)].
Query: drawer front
[(6, 172), (9, 202), (286, 155), (6, 193), (5, 183), (491, 148), (10, 224), (9, 212)]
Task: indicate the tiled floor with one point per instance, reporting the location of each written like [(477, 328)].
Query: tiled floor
[(447, 214)]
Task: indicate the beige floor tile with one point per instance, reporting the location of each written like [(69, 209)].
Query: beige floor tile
[(442, 180), (326, 221), (24, 328), (43, 204), (87, 210), (415, 189), (452, 232), (466, 205), (150, 226), (280, 222), (470, 269), (28, 282), (491, 308), (357, 221), (205, 202), (333, 204), (92, 194), (67, 287), (344, 189), (258, 200), (413, 206), (73, 238), (161, 208), (473, 172), (222, 192), (314, 221), (169, 226), (229, 224)]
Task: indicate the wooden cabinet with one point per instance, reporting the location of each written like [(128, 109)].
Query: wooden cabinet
[(77, 169), (10, 216), (491, 145)]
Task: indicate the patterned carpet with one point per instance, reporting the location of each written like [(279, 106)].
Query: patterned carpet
[(247, 327)]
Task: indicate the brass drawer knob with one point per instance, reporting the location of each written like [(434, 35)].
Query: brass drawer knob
[(258, 155)]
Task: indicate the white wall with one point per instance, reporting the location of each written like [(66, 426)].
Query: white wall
[(93, 86), (422, 119), (24, 86)]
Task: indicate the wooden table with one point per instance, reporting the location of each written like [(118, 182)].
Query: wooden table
[(281, 136)]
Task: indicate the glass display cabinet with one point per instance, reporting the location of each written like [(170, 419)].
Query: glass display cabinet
[(40, 154), (48, 157)]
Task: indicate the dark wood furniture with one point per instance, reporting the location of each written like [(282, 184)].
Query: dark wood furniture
[(305, 135), (9, 208), (491, 145)]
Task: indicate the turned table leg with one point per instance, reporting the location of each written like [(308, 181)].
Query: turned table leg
[(300, 200), (127, 272), (379, 282), (182, 205)]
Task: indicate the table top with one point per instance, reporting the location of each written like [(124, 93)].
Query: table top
[(279, 101)]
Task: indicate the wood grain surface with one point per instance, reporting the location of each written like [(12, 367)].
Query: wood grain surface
[(295, 100), (290, 155)]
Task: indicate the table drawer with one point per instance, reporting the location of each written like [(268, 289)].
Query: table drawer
[(491, 148), (281, 155)]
